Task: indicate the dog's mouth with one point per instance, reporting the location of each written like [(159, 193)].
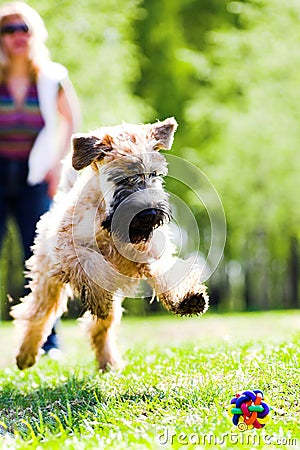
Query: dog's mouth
[(141, 226)]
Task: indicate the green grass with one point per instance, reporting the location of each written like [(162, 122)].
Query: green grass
[(181, 373)]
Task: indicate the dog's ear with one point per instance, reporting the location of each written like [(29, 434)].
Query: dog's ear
[(88, 148), (163, 133)]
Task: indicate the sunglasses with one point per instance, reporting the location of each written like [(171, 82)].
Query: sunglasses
[(14, 27)]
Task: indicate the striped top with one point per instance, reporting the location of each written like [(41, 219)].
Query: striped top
[(19, 127)]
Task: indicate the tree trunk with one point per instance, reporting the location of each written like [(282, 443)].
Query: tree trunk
[(293, 274)]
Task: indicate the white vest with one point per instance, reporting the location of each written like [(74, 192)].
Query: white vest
[(44, 153)]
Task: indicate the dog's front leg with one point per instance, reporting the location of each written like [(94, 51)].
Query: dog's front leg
[(178, 286), (102, 336), (97, 283), (93, 280)]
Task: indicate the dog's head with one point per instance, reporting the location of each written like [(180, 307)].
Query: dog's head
[(131, 172)]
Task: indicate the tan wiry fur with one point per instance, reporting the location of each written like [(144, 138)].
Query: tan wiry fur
[(76, 247)]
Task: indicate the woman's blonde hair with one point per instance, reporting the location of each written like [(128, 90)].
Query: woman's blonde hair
[(39, 52)]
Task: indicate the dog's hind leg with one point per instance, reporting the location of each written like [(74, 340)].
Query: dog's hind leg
[(102, 336), (36, 314)]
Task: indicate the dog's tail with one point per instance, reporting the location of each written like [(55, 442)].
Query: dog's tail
[(68, 175)]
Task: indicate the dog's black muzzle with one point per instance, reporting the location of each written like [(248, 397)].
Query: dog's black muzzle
[(134, 215), (148, 218), (143, 223), (135, 228)]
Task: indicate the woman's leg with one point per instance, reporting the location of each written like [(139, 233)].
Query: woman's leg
[(31, 204), (4, 199)]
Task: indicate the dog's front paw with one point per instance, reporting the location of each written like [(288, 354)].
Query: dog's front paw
[(184, 294), (193, 303)]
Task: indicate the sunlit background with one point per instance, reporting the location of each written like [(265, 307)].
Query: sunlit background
[(229, 72)]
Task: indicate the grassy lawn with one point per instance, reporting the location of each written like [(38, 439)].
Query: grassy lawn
[(181, 373)]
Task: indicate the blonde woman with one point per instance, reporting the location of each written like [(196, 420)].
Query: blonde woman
[(36, 100)]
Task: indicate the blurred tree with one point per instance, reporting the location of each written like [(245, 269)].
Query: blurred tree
[(95, 40), (167, 36)]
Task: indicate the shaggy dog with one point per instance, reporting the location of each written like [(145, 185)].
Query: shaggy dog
[(107, 229)]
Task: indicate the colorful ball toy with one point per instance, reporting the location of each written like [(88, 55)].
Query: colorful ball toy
[(248, 410)]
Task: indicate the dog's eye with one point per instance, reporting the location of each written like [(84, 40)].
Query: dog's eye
[(153, 174), (131, 180)]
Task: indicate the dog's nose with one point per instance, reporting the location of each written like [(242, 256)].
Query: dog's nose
[(144, 223), (147, 217)]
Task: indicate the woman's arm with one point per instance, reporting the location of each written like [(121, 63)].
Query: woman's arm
[(70, 118)]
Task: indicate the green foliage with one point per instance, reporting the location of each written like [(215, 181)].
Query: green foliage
[(95, 42), (251, 102), (170, 36), (247, 108), (180, 377)]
